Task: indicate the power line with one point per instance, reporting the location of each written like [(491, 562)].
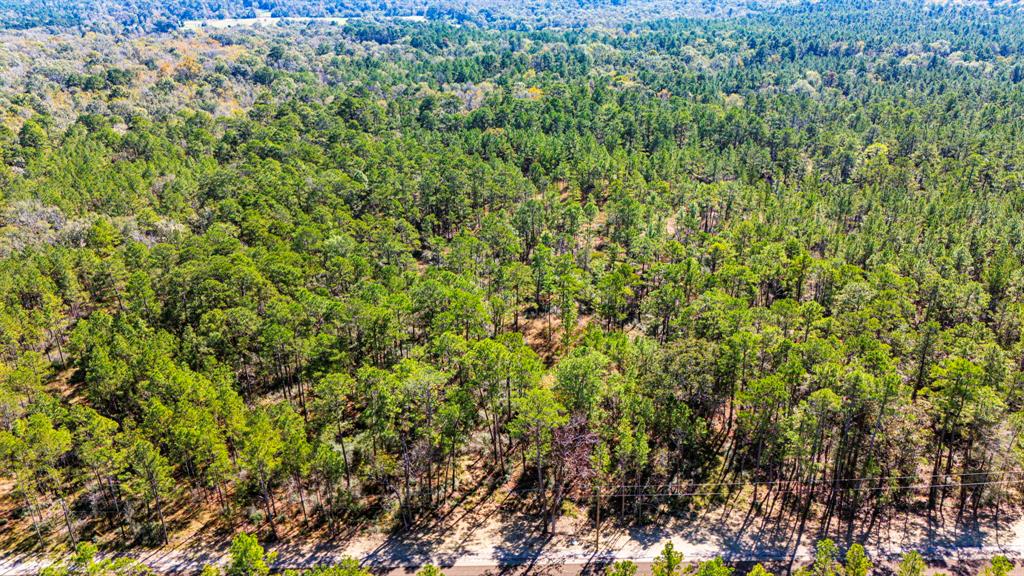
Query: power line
[(818, 481), (805, 483), (856, 489)]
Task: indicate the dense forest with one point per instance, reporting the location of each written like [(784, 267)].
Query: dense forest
[(135, 16), (324, 274)]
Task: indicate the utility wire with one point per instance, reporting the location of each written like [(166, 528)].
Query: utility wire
[(805, 483), (857, 489), (814, 481)]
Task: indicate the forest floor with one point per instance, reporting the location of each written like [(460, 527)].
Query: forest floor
[(494, 529), (491, 531)]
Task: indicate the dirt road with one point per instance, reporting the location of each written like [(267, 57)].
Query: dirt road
[(486, 537), (479, 550)]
